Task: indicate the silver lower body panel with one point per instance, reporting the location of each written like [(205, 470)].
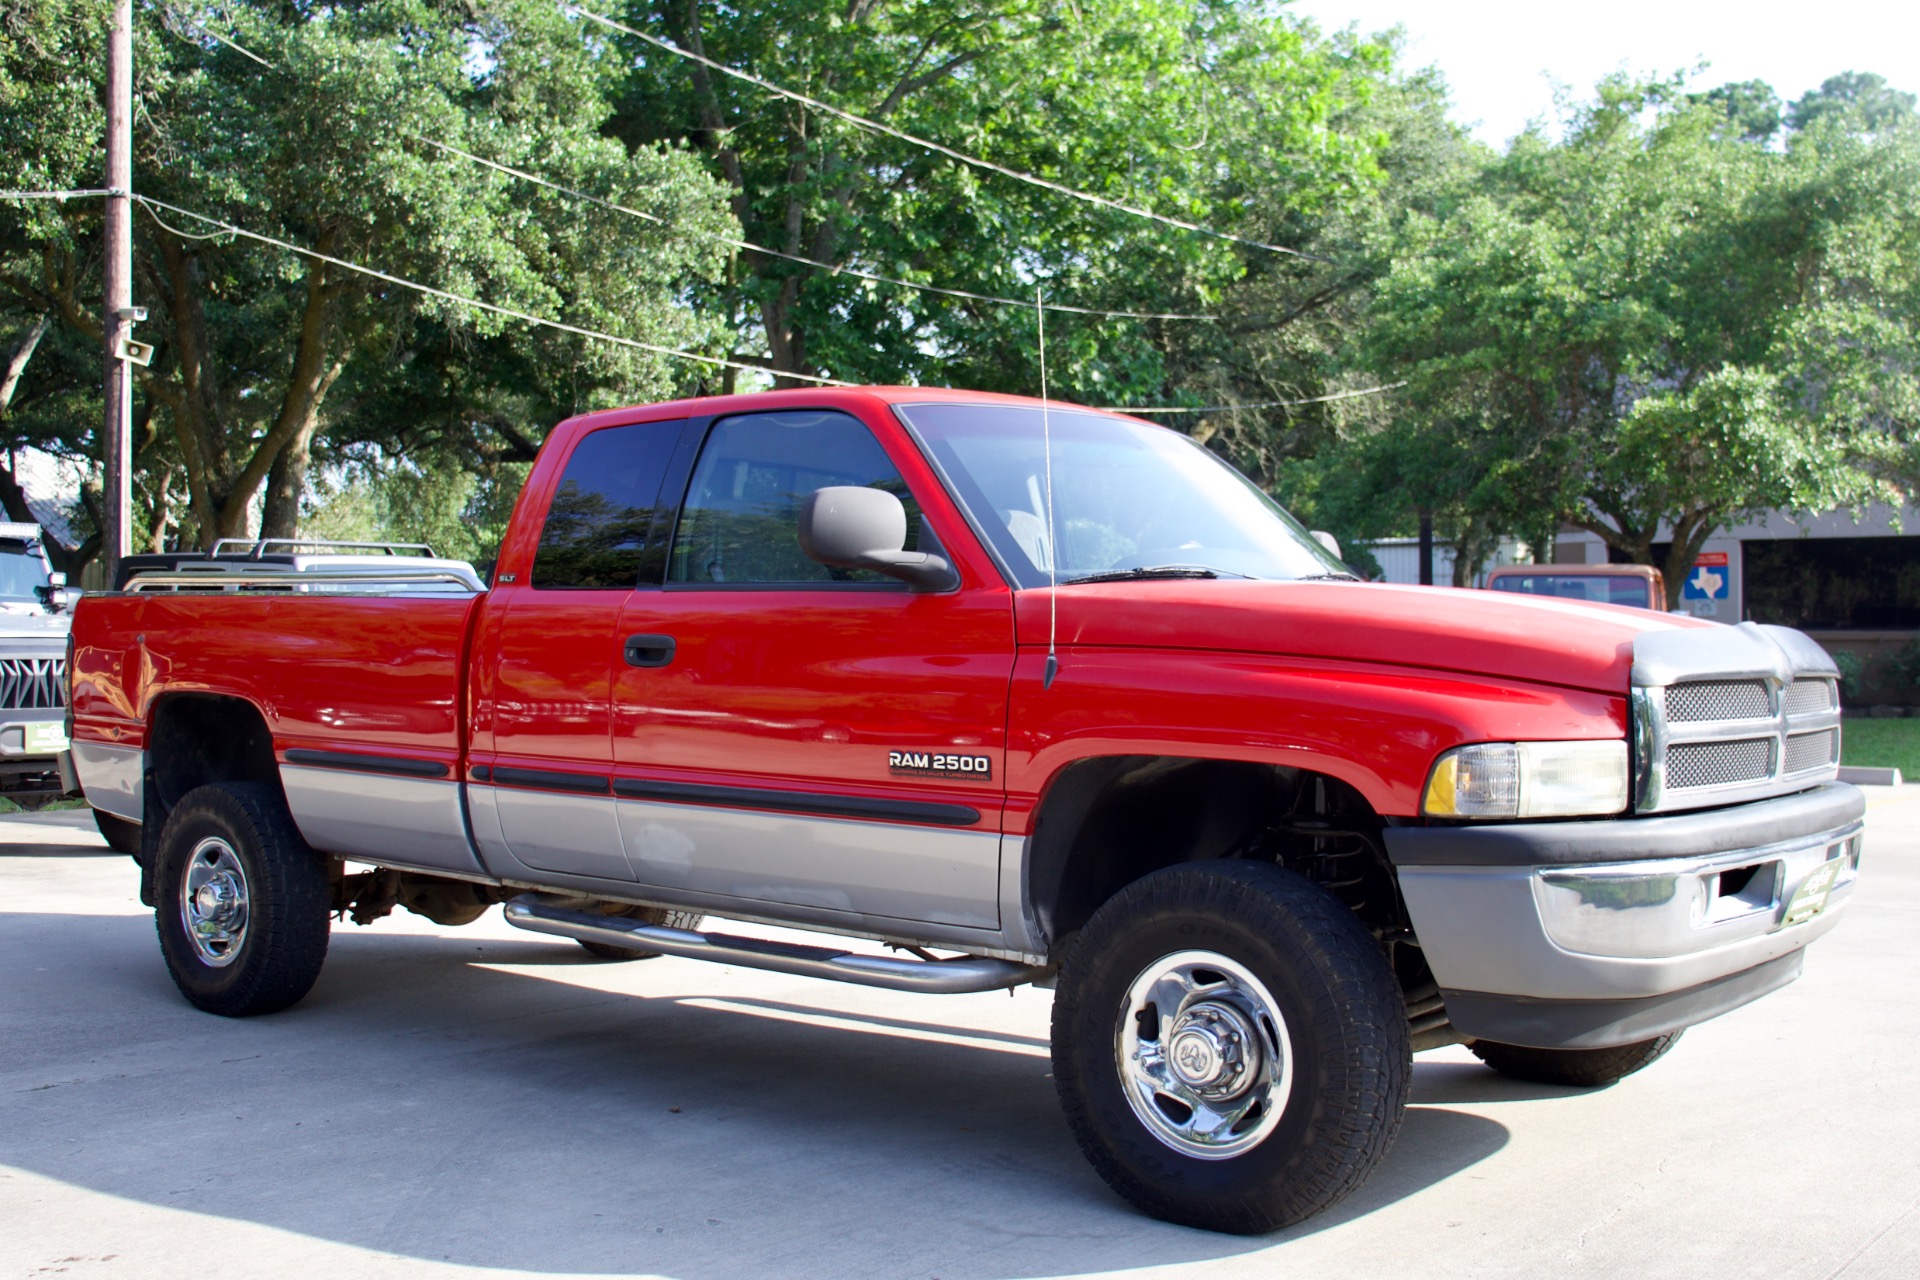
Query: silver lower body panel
[(114, 778), (416, 822)]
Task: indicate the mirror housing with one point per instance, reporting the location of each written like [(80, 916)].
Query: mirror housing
[(1328, 541), (848, 527)]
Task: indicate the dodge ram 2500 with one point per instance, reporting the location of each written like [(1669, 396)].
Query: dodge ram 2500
[(1034, 694)]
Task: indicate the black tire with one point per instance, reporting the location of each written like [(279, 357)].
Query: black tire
[(1339, 1010), (689, 920), (121, 835), (1580, 1068), (274, 955)]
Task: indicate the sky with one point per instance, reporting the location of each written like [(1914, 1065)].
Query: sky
[(1501, 57)]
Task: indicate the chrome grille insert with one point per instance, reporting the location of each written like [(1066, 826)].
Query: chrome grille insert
[(1807, 696), (32, 683), (1718, 700), (1724, 715), (1716, 764), (1810, 751)]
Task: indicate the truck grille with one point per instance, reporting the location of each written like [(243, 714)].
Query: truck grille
[(1715, 764), (1807, 696), (32, 683), (1727, 714), (1811, 751), (1718, 700)]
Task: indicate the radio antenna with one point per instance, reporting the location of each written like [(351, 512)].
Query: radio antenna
[(1053, 546)]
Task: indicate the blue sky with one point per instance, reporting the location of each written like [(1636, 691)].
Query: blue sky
[(1500, 57)]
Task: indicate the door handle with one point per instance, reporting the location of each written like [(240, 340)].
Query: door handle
[(649, 651)]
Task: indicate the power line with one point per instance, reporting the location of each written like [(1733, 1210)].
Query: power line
[(974, 161), (1264, 404), (856, 272), (229, 228), (745, 245), (60, 195)]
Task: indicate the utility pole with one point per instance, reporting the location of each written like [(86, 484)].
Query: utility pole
[(1426, 548), (118, 312)]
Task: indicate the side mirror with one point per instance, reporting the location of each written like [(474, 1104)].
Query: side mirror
[(58, 599), (56, 579), (1328, 541), (847, 527)]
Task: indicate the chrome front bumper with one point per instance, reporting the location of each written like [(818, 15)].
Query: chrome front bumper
[(1662, 921)]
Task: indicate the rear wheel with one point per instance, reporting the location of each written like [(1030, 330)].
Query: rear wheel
[(688, 920), (1230, 1046), (1582, 1068), (242, 901)]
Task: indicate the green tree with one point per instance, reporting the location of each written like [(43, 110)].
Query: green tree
[(1207, 110), (1855, 99), (327, 147), (1656, 324)]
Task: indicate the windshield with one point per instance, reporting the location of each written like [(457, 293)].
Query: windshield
[(22, 572), (1126, 496)]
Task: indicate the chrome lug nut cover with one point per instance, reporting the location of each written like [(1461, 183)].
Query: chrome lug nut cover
[(1203, 1055), (214, 902)]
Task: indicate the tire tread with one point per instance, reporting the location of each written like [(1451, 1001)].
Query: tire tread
[(289, 903)]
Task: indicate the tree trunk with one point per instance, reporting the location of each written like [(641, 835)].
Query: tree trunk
[(286, 482), (17, 364)]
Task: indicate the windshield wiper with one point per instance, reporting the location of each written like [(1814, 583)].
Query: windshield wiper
[(1153, 571), (1331, 577)]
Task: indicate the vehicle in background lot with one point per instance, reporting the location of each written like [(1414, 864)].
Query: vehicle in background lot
[(33, 667), (1029, 694), (1636, 585)]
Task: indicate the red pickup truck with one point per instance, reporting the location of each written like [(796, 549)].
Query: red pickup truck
[(1031, 693)]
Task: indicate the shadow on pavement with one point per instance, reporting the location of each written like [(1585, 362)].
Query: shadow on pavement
[(424, 1102)]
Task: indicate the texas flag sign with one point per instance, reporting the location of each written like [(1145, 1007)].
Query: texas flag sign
[(1708, 581)]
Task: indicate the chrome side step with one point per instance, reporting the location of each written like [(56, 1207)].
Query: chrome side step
[(542, 914)]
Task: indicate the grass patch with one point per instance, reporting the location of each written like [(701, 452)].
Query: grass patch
[(8, 806), (1882, 744)]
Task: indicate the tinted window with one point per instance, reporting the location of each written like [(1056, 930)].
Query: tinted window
[(1834, 584), (1602, 588), (602, 515), (741, 519)]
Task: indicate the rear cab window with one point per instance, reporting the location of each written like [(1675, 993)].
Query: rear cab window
[(608, 523)]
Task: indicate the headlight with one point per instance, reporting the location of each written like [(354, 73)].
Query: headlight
[(1528, 780)]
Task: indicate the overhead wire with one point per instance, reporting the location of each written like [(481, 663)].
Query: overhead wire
[(1262, 404), (61, 195), (151, 204), (745, 245), (836, 269), (928, 144), (226, 228)]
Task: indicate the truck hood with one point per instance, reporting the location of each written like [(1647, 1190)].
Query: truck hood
[(1560, 642)]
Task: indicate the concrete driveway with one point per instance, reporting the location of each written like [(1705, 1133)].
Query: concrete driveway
[(453, 1101)]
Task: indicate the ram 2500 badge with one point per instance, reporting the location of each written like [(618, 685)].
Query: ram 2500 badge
[(1035, 696)]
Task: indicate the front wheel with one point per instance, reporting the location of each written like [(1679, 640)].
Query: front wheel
[(1580, 1068), (1230, 1046), (242, 901)]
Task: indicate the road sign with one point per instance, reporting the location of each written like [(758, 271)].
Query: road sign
[(1708, 581)]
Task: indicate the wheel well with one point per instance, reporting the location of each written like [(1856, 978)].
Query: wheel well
[(197, 738), (1107, 822)]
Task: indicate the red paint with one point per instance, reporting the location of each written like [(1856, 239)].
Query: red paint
[(803, 690)]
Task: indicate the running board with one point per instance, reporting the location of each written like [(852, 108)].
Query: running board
[(938, 977)]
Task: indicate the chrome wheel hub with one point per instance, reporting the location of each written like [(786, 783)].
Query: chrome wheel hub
[(1203, 1055), (213, 902)]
